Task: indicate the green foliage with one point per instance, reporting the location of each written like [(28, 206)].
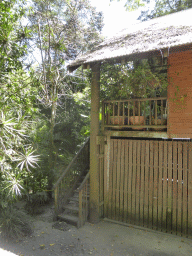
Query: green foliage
[(27, 159), (17, 104), (12, 47), (14, 223), (62, 30), (132, 5), (160, 8), (44, 112), (34, 201), (165, 7), (11, 185), (133, 80)]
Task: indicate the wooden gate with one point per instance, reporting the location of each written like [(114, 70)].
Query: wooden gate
[(149, 183)]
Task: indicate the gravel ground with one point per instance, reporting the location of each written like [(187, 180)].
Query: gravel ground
[(104, 239)]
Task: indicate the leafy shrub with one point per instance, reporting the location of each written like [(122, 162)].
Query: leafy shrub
[(14, 223)]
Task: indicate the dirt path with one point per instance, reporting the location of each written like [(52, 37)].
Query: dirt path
[(104, 239)]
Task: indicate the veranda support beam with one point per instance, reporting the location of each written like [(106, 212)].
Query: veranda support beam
[(94, 160)]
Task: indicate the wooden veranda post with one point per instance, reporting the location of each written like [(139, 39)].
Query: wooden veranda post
[(94, 160)]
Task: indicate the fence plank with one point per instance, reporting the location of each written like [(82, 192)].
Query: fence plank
[(117, 203), (160, 187), (179, 200), (170, 196), (185, 170), (146, 200), (137, 187), (142, 189), (122, 180), (106, 175), (110, 178), (155, 185), (113, 213), (130, 146), (125, 182), (134, 179), (165, 183), (175, 188), (101, 177), (151, 186)]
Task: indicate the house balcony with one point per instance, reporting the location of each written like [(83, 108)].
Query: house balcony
[(136, 115)]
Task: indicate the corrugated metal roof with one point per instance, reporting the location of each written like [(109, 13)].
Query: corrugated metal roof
[(160, 33)]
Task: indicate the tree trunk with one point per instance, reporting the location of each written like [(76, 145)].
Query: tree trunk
[(51, 149)]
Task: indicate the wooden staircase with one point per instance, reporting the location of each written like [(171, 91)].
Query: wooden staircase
[(71, 212), (71, 191)]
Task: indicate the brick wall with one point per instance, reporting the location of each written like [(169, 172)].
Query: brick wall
[(180, 95)]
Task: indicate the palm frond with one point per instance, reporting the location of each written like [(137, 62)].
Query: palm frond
[(27, 159)]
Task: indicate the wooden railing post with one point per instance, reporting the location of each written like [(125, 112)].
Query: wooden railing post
[(80, 209), (86, 203), (56, 203), (94, 132)]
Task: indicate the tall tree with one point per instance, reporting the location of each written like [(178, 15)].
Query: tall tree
[(62, 30), (12, 35), (16, 96), (160, 8)]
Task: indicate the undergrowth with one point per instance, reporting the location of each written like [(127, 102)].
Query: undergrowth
[(35, 201), (14, 223)]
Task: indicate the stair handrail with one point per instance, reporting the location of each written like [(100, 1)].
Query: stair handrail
[(83, 182), (69, 166), (83, 201)]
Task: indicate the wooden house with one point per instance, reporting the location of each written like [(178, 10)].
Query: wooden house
[(141, 174)]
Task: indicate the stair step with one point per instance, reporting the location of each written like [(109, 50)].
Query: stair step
[(74, 199), (87, 187), (72, 208), (77, 195), (69, 218)]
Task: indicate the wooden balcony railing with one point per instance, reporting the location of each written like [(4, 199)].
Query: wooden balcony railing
[(136, 114)]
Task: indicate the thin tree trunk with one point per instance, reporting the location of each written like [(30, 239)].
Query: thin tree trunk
[(52, 148)]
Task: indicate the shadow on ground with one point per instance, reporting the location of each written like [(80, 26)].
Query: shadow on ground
[(104, 239)]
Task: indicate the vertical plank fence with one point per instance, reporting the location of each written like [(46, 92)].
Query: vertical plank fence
[(101, 146), (150, 184)]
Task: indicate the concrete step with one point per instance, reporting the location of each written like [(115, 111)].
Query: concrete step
[(74, 200), (69, 219), (76, 194), (72, 208), (88, 187)]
